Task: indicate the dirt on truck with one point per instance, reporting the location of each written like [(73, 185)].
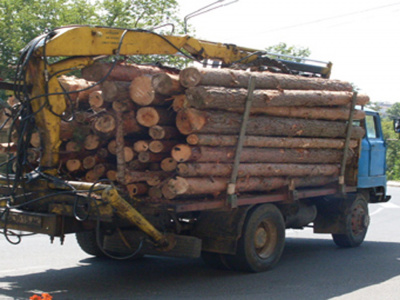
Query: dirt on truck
[(217, 161)]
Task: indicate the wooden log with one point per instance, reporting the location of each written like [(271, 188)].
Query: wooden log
[(186, 153), (200, 186), (192, 76), (235, 99), (73, 165), (169, 164), (256, 170), (121, 72), (91, 176), (120, 144), (141, 146), (115, 90), (96, 101), (111, 175), (146, 157), (124, 105), (73, 130), (158, 132), (267, 142), (167, 84), (143, 176), (155, 192), (162, 146), (151, 116), (179, 102), (315, 113), (142, 92), (90, 161), (35, 139), (137, 165), (130, 124), (72, 146), (195, 121), (91, 142), (105, 123), (137, 189), (74, 85)]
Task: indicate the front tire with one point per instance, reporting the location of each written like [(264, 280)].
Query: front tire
[(88, 243), (356, 219), (263, 239)]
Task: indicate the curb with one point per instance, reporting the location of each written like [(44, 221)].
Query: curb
[(393, 183)]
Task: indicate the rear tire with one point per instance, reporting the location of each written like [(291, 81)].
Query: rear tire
[(263, 239), (88, 243), (356, 220)]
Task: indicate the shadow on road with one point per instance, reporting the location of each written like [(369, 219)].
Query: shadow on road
[(309, 269)]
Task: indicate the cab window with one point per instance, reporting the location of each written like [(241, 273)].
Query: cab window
[(371, 127)]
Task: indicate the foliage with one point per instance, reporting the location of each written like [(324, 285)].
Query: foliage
[(394, 111), (374, 106), (283, 48), (23, 20), (393, 150)]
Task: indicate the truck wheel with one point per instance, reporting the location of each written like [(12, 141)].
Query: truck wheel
[(356, 221), (215, 260), (263, 239), (87, 241)]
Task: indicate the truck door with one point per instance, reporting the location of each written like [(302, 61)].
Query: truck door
[(377, 146)]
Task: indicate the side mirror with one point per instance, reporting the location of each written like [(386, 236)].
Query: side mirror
[(396, 125)]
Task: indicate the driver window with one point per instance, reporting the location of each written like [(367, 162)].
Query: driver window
[(371, 128)]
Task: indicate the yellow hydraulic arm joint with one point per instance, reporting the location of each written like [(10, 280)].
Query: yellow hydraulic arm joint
[(126, 211)]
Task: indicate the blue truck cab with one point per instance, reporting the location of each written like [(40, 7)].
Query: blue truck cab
[(372, 162)]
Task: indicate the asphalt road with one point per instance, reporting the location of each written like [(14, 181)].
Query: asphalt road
[(312, 267)]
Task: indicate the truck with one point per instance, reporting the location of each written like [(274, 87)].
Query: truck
[(236, 175)]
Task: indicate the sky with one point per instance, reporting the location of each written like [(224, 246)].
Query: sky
[(360, 38)]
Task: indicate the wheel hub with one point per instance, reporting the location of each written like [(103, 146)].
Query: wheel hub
[(359, 219), (265, 239)]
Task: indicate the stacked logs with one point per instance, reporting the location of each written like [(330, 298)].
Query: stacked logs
[(173, 135)]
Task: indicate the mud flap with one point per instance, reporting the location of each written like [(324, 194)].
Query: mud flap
[(220, 230)]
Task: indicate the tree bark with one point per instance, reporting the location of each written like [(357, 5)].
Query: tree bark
[(195, 185), (121, 72), (235, 99), (192, 76), (73, 85), (267, 142), (115, 90), (186, 153), (256, 169), (125, 105), (195, 121)]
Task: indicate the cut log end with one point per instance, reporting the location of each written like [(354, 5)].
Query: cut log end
[(181, 153)]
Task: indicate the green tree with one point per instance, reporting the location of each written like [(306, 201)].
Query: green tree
[(285, 49), (23, 20), (394, 111)]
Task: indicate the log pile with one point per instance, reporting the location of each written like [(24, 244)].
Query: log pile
[(173, 135)]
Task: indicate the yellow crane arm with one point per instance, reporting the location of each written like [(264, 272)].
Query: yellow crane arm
[(95, 41)]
